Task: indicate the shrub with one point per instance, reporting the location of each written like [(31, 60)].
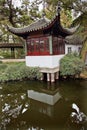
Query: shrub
[(3, 66), (2, 72), (11, 72), (71, 65)]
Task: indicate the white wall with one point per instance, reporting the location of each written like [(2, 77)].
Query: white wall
[(74, 48), (43, 61), (51, 61)]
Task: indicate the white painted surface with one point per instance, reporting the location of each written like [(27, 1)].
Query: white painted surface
[(49, 61), (74, 48), (43, 61), (43, 97)]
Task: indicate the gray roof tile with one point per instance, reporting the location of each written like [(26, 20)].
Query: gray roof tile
[(42, 23)]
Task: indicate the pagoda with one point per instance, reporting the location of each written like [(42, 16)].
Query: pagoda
[(45, 44)]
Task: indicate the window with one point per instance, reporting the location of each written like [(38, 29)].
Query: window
[(38, 46), (32, 45), (42, 42), (44, 46), (28, 45), (47, 44), (69, 49), (58, 46), (61, 46)]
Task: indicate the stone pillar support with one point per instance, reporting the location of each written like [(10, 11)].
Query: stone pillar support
[(52, 77), (42, 77), (57, 75), (48, 77)]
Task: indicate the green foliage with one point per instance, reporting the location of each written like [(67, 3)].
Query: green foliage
[(71, 65), (6, 53), (0, 62), (76, 5), (29, 11), (66, 18), (12, 72)]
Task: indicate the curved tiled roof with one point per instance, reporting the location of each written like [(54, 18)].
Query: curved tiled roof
[(40, 24), (70, 31), (74, 40)]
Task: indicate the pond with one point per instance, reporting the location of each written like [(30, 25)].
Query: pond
[(37, 105)]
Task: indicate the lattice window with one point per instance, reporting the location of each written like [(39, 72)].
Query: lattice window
[(38, 46)]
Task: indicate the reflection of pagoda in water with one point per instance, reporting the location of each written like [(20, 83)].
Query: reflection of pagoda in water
[(28, 110), (44, 97), (46, 107), (18, 111), (44, 100)]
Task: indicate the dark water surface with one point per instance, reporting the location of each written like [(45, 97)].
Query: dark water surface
[(35, 105)]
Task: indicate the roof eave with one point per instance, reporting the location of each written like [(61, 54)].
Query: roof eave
[(70, 31), (23, 32)]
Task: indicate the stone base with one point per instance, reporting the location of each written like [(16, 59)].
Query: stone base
[(51, 74)]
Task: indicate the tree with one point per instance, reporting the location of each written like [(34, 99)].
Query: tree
[(78, 7), (71, 65), (29, 11), (17, 16), (8, 15)]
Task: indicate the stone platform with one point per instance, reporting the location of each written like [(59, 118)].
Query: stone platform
[(50, 74)]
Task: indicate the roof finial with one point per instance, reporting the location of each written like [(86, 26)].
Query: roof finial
[(59, 7)]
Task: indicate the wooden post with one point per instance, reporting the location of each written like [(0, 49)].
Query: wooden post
[(12, 53)]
